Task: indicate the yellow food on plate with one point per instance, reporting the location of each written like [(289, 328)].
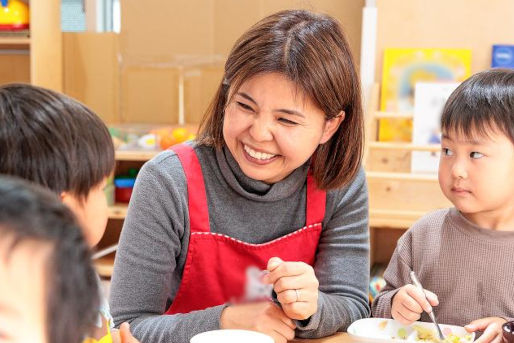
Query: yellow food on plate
[(429, 335)]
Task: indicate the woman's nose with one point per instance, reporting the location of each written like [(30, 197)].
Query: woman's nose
[(261, 129)]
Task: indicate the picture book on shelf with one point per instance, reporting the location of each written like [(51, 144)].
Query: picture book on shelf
[(402, 69), (429, 100), (502, 56)]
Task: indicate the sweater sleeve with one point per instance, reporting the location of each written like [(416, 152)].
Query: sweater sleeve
[(146, 266), (396, 275), (342, 265)]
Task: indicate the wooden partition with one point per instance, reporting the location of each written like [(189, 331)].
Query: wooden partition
[(91, 71), (160, 41)]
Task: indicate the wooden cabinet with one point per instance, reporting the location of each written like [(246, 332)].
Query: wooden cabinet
[(118, 211), (35, 57)]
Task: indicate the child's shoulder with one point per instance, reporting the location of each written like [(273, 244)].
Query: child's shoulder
[(434, 218), (430, 224)]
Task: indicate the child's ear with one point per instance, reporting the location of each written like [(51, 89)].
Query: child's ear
[(70, 200), (331, 127), (64, 197)]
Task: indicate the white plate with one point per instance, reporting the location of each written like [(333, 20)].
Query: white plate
[(231, 336), (380, 330)]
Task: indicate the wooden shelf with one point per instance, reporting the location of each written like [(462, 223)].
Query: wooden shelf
[(105, 265), (401, 176), (118, 211), (404, 146), (122, 155), (15, 42), (393, 219)]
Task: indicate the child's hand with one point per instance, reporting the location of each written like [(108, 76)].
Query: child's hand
[(491, 326), (123, 335), (410, 302), (296, 286)]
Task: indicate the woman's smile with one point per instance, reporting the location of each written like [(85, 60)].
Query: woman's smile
[(258, 156)]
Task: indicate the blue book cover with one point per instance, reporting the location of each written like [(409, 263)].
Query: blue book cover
[(503, 56)]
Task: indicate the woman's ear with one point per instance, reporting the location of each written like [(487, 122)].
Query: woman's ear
[(331, 127)]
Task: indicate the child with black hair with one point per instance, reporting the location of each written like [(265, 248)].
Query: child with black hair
[(464, 255), (57, 142), (48, 292)]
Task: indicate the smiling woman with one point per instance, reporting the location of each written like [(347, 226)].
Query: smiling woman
[(261, 224), (271, 127)]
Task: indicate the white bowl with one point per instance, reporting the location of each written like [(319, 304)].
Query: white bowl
[(380, 330), (231, 336)]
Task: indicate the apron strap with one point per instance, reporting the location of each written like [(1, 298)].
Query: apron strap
[(197, 199), (316, 199)]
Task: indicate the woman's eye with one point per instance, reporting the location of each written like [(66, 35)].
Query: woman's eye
[(447, 152), (287, 121), (244, 106), (476, 154)]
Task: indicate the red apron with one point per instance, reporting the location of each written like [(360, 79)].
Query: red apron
[(215, 268)]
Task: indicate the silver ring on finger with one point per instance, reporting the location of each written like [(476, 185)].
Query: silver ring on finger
[(297, 295)]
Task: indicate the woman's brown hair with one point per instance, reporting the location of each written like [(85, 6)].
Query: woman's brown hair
[(312, 51)]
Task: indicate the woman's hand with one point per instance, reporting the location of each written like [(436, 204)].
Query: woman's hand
[(410, 302), (123, 335), (265, 317), (296, 286), (491, 326)]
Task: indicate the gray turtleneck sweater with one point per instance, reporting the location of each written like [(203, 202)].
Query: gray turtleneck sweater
[(154, 241), (468, 267)]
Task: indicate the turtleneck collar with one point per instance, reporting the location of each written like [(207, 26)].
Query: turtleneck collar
[(258, 190)]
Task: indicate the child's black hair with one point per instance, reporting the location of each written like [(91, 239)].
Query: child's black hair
[(29, 213), (482, 104), (53, 140)]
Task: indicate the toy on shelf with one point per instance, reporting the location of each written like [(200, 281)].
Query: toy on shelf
[(124, 184), (14, 15), (170, 136), (149, 138)]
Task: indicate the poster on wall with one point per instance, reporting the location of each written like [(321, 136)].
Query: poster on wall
[(402, 69), (429, 101)]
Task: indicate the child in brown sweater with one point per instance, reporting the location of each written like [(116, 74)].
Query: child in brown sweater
[(464, 255)]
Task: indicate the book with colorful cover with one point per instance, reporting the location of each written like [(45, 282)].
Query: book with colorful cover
[(402, 69)]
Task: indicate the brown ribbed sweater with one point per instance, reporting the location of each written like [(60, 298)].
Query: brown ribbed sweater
[(471, 269)]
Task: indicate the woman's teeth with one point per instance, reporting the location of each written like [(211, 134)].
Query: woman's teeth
[(256, 154)]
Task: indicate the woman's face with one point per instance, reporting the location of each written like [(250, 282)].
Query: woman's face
[(271, 127), (22, 292)]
